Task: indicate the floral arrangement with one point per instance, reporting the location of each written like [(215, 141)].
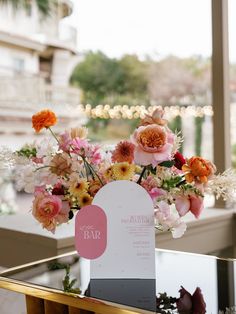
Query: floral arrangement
[(65, 175)]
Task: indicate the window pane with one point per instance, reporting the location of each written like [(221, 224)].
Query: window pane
[(173, 39)]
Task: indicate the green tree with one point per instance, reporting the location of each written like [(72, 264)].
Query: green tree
[(103, 79), (44, 6), (134, 75), (97, 76)]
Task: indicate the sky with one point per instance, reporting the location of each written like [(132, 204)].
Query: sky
[(148, 27)]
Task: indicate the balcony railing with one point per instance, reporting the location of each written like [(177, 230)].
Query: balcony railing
[(22, 96), (33, 90)]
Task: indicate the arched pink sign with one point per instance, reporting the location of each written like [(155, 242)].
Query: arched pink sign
[(91, 232)]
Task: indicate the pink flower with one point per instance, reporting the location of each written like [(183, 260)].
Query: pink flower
[(93, 153), (63, 215), (65, 142), (196, 205), (156, 192), (192, 203), (79, 145), (150, 185), (49, 210), (37, 160), (153, 144)]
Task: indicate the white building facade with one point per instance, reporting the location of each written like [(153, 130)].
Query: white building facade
[(34, 45), (37, 57)]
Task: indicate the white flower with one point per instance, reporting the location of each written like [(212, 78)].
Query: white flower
[(25, 178), (223, 185), (6, 157), (178, 229), (167, 220), (178, 140), (44, 176), (46, 147)]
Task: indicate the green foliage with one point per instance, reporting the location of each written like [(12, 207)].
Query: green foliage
[(45, 7), (103, 79), (167, 163), (166, 304), (27, 151), (134, 76), (173, 182), (97, 75), (68, 284)]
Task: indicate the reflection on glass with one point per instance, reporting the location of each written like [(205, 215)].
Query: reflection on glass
[(214, 277)]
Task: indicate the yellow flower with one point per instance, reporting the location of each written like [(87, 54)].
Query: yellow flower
[(108, 173), (85, 199), (123, 171), (138, 169), (78, 187)]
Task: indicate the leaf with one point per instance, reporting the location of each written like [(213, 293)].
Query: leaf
[(167, 163)]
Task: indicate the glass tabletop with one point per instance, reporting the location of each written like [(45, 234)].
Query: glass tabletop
[(214, 276)]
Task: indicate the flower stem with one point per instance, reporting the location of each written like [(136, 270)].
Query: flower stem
[(93, 171), (39, 168), (180, 183), (142, 174), (86, 169), (53, 134)]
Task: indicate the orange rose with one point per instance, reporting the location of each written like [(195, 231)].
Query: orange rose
[(43, 119), (198, 169)]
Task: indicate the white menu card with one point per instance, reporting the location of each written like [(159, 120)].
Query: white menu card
[(130, 251)]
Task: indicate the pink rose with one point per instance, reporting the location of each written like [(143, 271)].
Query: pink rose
[(153, 144), (63, 215), (49, 210)]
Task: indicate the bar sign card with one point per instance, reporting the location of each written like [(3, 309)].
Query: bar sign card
[(125, 272)]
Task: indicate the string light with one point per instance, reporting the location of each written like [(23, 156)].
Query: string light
[(134, 112)]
